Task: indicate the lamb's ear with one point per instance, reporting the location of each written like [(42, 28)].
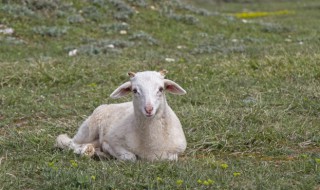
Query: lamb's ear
[(173, 87), (122, 90)]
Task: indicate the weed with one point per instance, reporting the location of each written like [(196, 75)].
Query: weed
[(12, 40), (104, 47), (140, 3), (50, 31), (47, 5), (115, 28), (124, 11), (73, 19), (92, 13), (190, 8), (142, 36), (219, 44), (186, 19), (275, 28), (18, 10)]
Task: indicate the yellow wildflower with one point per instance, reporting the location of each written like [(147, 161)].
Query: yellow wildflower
[(206, 183), (235, 174), (51, 164), (210, 181), (159, 179), (224, 166), (179, 182), (262, 14), (73, 163)]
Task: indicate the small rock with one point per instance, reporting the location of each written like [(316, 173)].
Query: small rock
[(7, 31), (152, 7), (169, 60), (123, 32), (73, 52), (249, 100), (288, 40), (110, 46), (244, 21)]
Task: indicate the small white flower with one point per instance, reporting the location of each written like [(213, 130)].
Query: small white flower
[(73, 52), (234, 40), (300, 43), (169, 60), (181, 47), (123, 32)]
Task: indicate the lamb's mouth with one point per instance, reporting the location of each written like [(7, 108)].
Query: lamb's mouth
[(149, 115)]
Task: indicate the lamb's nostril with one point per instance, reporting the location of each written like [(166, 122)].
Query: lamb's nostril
[(148, 109)]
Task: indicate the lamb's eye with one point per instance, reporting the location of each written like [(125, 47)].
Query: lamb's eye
[(160, 89), (134, 91)]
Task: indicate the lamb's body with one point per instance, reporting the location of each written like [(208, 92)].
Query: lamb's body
[(124, 131)]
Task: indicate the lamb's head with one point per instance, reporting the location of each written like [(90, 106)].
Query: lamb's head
[(148, 90)]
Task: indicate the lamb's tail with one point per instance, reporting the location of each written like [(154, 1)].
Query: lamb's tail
[(63, 141)]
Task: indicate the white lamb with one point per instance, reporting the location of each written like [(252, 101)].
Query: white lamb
[(145, 128)]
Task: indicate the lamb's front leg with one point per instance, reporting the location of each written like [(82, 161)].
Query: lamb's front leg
[(118, 152)]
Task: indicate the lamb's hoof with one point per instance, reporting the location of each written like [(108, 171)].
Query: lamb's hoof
[(128, 157), (88, 150), (173, 157)]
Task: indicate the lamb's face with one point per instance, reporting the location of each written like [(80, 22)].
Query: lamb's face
[(148, 92), (148, 89)]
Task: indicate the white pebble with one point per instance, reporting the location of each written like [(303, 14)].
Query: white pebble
[(123, 32), (244, 21), (110, 46), (7, 31), (288, 40), (152, 7), (169, 60), (73, 52)]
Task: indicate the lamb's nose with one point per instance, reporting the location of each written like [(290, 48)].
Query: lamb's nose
[(148, 109)]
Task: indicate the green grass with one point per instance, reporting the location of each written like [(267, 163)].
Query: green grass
[(251, 115)]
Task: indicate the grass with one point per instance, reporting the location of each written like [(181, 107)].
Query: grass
[(251, 115)]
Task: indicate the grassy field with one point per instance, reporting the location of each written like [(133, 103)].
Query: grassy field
[(251, 115)]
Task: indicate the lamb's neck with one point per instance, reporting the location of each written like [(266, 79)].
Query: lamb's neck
[(158, 121)]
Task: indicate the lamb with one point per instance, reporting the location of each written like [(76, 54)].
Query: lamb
[(145, 128)]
